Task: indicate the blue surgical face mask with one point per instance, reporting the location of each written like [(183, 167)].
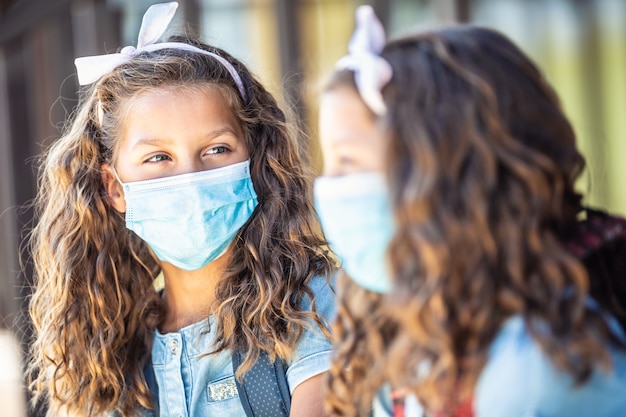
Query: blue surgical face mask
[(189, 220), (356, 218)]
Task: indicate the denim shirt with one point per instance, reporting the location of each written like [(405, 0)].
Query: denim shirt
[(520, 381), (194, 384)]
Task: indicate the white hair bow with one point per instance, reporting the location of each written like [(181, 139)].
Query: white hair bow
[(371, 71), (155, 21)]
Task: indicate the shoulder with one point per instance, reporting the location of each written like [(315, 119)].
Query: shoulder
[(313, 351), (520, 380)]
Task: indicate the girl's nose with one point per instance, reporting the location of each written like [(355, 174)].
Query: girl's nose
[(189, 165)]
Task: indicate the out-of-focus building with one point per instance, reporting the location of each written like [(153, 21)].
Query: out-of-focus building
[(290, 45)]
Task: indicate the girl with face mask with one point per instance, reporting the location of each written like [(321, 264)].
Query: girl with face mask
[(478, 283), (177, 161)]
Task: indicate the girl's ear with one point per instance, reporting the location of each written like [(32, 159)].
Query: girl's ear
[(113, 188)]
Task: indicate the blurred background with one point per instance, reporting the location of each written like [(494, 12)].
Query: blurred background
[(291, 45)]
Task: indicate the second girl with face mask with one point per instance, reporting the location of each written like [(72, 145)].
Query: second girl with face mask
[(476, 280)]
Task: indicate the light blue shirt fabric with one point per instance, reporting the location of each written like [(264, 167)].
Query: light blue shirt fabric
[(520, 381), (193, 384)]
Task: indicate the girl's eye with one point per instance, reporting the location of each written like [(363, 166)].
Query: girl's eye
[(217, 150), (346, 161), (158, 158)]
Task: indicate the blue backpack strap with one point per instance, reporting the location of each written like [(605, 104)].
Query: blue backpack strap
[(263, 390)]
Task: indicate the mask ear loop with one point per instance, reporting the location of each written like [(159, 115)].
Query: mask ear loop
[(117, 177)]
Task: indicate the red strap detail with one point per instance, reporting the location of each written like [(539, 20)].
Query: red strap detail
[(597, 230), (397, 404)]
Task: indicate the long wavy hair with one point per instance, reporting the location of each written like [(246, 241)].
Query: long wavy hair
[(481, 167), (95, 307), (363, 332)]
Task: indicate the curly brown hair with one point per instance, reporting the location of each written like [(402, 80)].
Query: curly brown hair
[(95, 307), (481, 167), (363, 331)]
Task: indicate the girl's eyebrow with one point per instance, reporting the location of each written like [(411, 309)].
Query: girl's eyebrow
[(154, 142), (157, 142), (220, 132)]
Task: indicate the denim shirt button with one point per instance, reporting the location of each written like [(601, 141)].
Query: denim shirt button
[(174, 346)]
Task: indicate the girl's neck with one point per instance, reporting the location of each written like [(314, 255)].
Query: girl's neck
[(189, 295)]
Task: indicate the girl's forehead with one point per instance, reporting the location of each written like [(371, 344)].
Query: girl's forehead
[(184, 95), (189, 90), (343, 112), (175, 112)]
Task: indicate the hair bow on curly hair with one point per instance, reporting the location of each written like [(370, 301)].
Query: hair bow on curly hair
[(371, 71), (155, 21)]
